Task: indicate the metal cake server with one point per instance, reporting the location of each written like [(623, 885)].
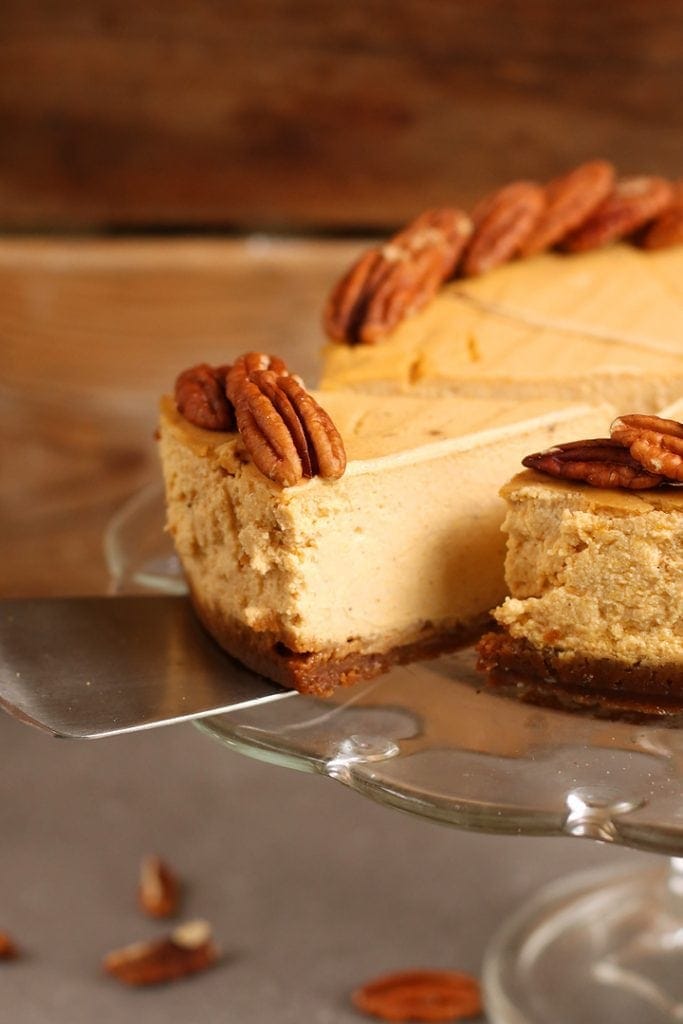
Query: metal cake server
[(97, 666)]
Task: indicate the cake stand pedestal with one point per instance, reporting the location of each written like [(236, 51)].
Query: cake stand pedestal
[(602, 946), (433, 740)]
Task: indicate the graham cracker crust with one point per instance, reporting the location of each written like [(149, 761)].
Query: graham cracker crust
[(320, 673), (600, 685)]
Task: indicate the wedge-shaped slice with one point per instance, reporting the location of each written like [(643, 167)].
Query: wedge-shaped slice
[(327, 582)]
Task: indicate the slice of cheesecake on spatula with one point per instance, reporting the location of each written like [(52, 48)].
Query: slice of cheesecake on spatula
[(317, 579)]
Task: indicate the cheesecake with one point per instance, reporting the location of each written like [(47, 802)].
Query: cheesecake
[(571, 290), (326, 580), (326, 536), (595, 577), (601, 325)]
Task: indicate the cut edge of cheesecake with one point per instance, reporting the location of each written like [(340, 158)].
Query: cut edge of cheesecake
[(547, 668), (591, 619), (319, 673)]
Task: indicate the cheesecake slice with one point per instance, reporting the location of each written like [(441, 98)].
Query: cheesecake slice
[(595, 578), (332, 580), (606, 324)]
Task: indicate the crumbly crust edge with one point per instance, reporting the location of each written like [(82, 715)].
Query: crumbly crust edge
[(574, 677), (319, 673)]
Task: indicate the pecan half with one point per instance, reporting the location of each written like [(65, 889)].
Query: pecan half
[(390, 282), (200, 397), (601, 462), (287, 434), (250, 363), (420, 995), (271, 387), (8, 948), (158, 888), (569, 201), (502, 223), (188, 949), (325, 447), (667, 229), (633, 203), (655, 443)]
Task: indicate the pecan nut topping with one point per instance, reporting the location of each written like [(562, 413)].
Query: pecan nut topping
[(502, 224), (8, 947), (420, 995), (579, 211), (392, 281), (656, 443), (287, 434), (601, 462), (667, 229), (632, 204), (326, 454), (569, 201), (188, 949), (158, 888), (201, 399)]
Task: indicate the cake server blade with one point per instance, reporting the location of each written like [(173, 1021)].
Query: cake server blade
[(86, 667)]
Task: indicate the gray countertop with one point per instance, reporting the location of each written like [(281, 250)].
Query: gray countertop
[(310, 888)]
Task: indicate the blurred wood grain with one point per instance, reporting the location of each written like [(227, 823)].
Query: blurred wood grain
[(92, 334), (284, 113)]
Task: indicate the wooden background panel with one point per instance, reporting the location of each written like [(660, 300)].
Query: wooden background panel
[(91, 334), (320, 113)]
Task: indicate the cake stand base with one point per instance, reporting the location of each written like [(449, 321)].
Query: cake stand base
[(595, 948)]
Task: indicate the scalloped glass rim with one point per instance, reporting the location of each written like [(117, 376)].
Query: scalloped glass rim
[(431, 739), (137, 551)]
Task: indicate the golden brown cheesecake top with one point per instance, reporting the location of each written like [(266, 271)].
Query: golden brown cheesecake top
[(548, 322), (643, 452), (506, 316), (586, 209), (593, 499), (381, 429)]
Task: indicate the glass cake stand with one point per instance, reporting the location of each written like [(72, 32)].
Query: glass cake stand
[(433, 740)]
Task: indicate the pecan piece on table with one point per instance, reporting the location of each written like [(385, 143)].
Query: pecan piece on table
[(420, 995), (200, 397), (287, 434), (601, 462), (188, 949), (392, 281), (667, 229), (158, 888), (8, 948), (502, 223), (633, 203), (569, 201), (656, 443)]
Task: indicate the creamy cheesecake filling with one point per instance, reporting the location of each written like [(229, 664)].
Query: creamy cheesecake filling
[(593, 573), (404, 547)]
